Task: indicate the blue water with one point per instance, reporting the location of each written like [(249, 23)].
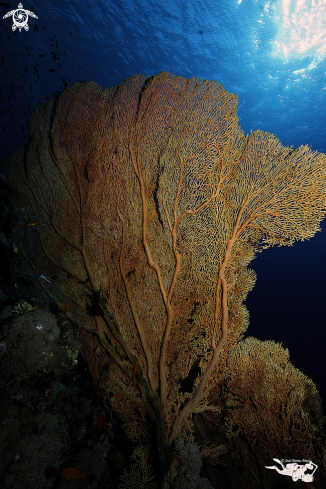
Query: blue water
[(270, 53)]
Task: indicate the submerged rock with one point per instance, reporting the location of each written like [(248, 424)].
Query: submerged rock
[(31, 342)]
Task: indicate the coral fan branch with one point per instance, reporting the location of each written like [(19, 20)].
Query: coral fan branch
[(135, 315)]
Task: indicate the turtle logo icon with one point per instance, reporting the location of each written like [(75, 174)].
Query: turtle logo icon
[(20, 18)]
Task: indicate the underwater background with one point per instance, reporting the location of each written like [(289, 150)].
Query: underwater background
[(270, 53)]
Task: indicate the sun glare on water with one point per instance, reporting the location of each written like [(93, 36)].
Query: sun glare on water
[(302, 29)]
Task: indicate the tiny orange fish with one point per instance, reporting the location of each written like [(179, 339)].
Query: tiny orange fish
[(95, 372), (70, 473), (134, 371), (29, 223), (63, 306), (118, 396), (62, 395)]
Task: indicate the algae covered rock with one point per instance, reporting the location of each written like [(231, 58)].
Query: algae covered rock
[(27, 457), (190, 466), (31, 342)]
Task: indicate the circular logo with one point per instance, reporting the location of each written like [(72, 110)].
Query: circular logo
[(20, 18)]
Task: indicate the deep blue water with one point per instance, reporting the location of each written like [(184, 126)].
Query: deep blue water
[(270, 53)]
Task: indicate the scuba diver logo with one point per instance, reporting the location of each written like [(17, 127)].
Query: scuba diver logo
[(20, 18), (295, 470)]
